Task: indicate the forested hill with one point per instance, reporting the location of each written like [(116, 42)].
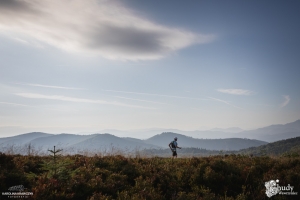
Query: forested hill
[(228, 144), (290, 146), (39, 143)]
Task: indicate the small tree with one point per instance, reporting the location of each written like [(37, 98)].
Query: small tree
[(58, 168), (53, 165)]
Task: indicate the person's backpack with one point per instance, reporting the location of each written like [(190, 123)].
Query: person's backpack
[(173, 145)]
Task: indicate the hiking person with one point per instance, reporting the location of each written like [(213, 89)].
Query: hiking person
[(173, 145)]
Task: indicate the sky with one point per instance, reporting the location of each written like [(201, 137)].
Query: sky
[(85, 66)]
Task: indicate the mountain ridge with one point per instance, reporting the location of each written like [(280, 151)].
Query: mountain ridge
[(209, 144), (274, 132), (106, 142), (214, 140)]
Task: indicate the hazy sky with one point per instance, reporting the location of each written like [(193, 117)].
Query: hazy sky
[(83, 66)]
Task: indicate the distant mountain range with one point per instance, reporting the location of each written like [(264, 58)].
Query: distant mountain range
[(71, 143), (110, 143), (219, 139), (274, 132), (209, 144), (228, 130), (288, 148), (269, 134)]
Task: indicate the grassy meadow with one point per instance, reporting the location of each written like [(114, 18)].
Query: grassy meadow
[(119, 177)]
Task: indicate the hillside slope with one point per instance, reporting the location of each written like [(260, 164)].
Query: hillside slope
[(23, 138), (288, 147), (291, 145), (71, 143), (228, 144), (274, 132)]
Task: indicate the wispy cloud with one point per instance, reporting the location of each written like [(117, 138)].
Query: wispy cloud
[(39, 107), (226, 102), (72, 99), (267, 105), (235, 91), (21, 41), (50, 86), (138, 100), (152, 94), (14, 104), (286, 101), (110, 29), (179, 97)]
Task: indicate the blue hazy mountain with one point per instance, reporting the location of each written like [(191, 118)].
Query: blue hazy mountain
[(211, 140), (109, 143), (269, 134), (228, 130), (274, 132), (23, 138), (72, 143), (210, 144)]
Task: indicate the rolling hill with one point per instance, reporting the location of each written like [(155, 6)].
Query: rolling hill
[(232, 139), (23, 138), (269, 134), (41, 142), (287, 146), (228, 144), (71, 143), (274, 132)]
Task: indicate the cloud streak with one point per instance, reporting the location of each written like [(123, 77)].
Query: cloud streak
[(14, 104), (286, 101), (105, 28), (151, 94), (49, 86), (226, 102), (77, 100), (138, 100), (235, 91), (179, 97)]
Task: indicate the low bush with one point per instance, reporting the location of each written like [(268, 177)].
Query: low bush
[(118, 177)]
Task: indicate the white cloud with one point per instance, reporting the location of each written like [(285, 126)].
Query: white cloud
[(235, 91), (151, 94), (138, 100), (105, 28), (72, 99), (21, 41), (14, 104), (286, 100), (50, 86), (226, 102), (179, 97)]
